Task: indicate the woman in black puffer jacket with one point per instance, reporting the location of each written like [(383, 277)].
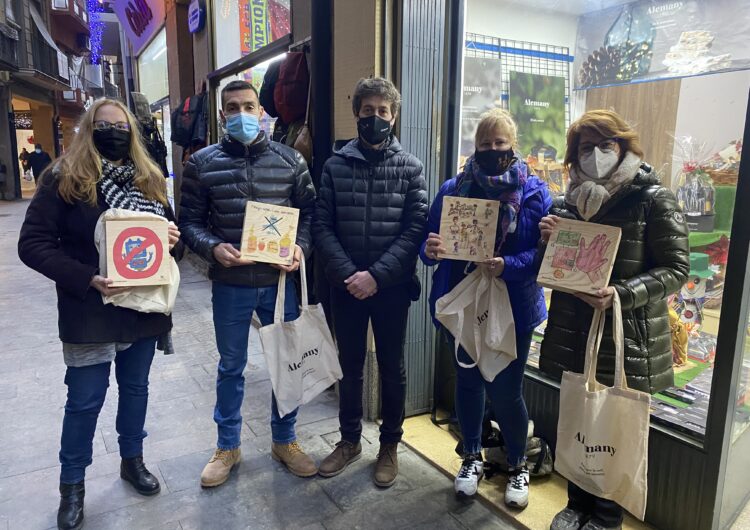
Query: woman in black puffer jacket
[(610, 185)]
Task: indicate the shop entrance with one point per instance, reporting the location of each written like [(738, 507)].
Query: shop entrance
[(34, 124)]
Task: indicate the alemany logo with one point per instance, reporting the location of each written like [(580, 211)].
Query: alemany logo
[(595, 448), (664, 8), (139, 16), (296, 366)]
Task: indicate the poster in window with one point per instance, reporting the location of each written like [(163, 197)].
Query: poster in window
[(481, 92)]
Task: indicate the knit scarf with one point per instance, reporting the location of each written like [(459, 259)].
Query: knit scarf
[(588, 194), (506, 188), (119, 190)]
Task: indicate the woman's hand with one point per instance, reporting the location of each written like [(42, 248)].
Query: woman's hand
[(434, 247), (174, 235), (102, 284), (496, 266), (601, 300), (547, 225)]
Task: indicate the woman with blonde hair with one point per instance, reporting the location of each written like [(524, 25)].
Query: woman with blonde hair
[(107, 166), (496, 172), (611, 185)]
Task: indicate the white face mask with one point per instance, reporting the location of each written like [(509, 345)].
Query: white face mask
[(598, 164)]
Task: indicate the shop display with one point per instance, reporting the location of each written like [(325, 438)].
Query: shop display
[(690, 55), (482, 81), (537, 103), (695, 189), (468, 228), (269, 233)]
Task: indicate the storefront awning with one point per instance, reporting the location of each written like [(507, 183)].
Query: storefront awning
[(62, 59)]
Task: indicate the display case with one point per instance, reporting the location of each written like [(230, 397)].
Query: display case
[(678, 72)]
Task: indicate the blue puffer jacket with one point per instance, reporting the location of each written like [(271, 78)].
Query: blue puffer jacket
[(519, 251)]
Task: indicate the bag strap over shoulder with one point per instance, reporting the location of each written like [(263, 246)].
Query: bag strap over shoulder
[(278, 315)]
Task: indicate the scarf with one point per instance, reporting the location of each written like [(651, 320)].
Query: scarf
[(506, 188), (119, 190), (588, 194)]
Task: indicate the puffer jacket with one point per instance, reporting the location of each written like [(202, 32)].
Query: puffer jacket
[(519, 252), (371, 216), (217, 183), (652, 263)]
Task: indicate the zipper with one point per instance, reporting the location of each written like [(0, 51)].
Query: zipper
[(368, 207)]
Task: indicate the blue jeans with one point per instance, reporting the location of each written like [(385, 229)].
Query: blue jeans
[(87, 388), (233, 310), (506, 395)]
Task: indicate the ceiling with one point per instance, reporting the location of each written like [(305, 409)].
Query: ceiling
[(571, 7)]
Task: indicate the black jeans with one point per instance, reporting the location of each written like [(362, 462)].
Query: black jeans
[(607, 513), (388, 310)]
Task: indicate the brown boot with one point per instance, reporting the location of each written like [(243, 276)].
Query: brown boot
[(217, 470), (344, 454), (294, 458), (386, 468)]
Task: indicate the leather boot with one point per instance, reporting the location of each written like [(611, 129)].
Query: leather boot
[(70, 513), (134, 471), (386, 468)]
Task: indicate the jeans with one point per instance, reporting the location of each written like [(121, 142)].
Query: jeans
[(607, 513), (87, 388), (233, 307), (388, 310), (506, 395)]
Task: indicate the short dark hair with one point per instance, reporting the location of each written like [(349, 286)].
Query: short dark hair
[(236, 86), (37, 146), (376, 86)]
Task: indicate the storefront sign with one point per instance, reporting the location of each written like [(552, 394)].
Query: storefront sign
[(254, 27), (141, 19), (537, 102), (481, 92), (196, 16), (650, 39)]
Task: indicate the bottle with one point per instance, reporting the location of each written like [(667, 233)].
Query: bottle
[(273, 247), (285, 244), (252, 240)]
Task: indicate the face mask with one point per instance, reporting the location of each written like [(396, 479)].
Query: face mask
[(112, 144), (494, 162), (374, 130), (598, 164), (38, 150), (243, 127)]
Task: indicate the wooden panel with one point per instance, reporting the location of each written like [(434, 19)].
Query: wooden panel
[(651, 108)]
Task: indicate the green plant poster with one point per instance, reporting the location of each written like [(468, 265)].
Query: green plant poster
[(537, 102)]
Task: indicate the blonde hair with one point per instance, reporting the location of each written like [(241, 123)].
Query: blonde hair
[(495, 119), (80, 168), (607, 124)]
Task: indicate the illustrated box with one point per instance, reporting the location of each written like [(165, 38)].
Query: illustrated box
[(137, 252), (269, 233), (468, 228)]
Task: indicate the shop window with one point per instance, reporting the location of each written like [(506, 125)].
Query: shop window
[(244, 26), (679, 75)]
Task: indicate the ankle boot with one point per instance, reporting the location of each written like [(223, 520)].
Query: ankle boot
[(70, 513), (134, 471)]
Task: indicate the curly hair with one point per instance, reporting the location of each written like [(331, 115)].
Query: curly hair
[(376, 86)]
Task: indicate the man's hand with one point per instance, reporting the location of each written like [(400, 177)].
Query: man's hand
[(295, 262), (228, 256), (495, 266), (601, 300), (547, 225), (434, 247), (174, 235), (102, 284), (361, 285)]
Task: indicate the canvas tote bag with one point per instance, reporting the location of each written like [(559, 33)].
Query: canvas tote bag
[(478, 314), (301, 356), (146, 298), (602, 432)]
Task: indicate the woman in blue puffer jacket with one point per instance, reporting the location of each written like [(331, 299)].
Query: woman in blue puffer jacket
[(495, 172)]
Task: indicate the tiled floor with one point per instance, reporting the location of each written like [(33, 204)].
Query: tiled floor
[(260, 494)]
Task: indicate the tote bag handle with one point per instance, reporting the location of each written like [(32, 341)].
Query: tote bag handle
[(278, 315), (594, 342)]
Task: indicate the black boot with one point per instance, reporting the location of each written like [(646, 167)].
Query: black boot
[(70, 513), (134, 471)]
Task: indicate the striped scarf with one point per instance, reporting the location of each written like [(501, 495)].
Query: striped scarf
[(119, 190)]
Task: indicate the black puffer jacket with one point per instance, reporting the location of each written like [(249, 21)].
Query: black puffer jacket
[(217, 183), (652, 263), (371, 216)]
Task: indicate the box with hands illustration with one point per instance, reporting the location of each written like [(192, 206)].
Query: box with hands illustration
[(269, 233), (579, 257)]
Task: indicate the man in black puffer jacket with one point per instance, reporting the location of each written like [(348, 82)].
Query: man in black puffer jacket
[(218, 181), (369, 224)]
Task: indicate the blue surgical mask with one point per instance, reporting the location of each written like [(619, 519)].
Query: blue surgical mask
[(38, 150), (243, 127)]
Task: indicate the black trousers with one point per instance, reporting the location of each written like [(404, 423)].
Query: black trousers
[(388, 310), (607, 513)]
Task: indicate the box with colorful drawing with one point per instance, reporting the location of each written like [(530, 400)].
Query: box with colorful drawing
[(269, 233), (468, 228)]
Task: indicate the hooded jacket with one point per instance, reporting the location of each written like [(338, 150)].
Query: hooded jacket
[(652, 263), (371, 214)]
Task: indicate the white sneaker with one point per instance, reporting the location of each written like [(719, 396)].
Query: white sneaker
[(517, 491), (469, 475)]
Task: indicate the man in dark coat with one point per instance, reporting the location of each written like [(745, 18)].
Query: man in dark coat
[(218, 181), (38, 160), (369, 223)]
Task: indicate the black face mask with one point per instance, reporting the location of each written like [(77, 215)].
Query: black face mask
[(374, 130), (112, 144), (494, 162)]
